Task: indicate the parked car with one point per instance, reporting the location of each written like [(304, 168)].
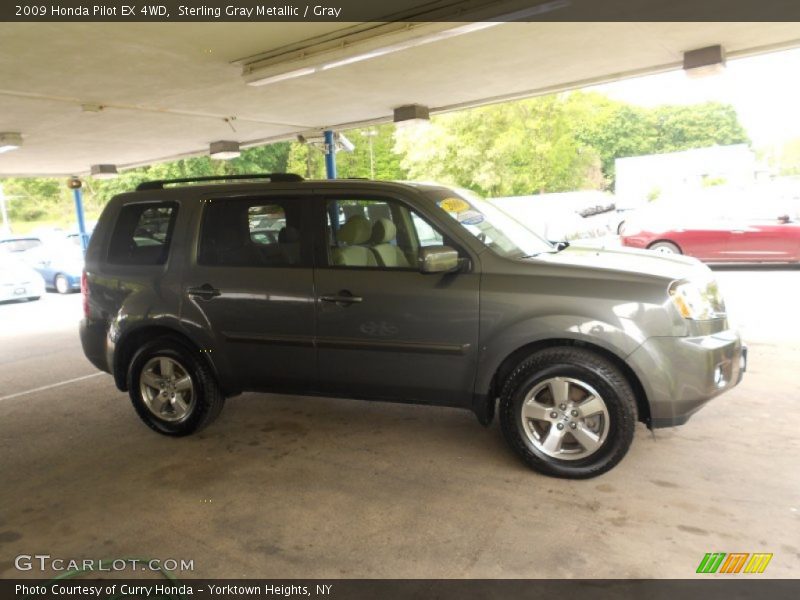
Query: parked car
[(17, 280), (719, 232), (399, 292), (19, 243), (59, 263), (561, 216)]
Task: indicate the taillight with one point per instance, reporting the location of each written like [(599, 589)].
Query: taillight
[(85, 294)]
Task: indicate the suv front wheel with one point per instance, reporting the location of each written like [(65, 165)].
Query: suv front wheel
[(568, 412), (172, 389)]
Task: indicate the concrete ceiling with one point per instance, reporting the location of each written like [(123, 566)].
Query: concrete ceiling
[(166, 89)]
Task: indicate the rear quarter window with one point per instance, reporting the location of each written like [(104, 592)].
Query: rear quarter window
[(142, 234)]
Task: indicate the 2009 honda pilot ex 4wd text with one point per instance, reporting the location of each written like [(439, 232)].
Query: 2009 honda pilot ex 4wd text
[(400, 292)]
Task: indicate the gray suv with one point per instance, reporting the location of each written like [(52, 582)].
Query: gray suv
[(397, 292)]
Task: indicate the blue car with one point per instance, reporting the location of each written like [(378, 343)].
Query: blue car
[(60, 263)]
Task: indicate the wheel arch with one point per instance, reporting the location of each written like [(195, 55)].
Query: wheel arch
[(133, 339), (665, 241), (485, 404)]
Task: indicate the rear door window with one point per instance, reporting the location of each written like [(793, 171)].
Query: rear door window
[(143, 233), (252, 232)]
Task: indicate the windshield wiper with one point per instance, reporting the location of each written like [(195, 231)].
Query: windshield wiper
[(562, 245), (557, 247)]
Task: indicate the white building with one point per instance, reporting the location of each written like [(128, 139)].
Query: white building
[(642, 178)]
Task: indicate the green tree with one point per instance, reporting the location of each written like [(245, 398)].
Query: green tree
[(696, 126), (505, 149), (38, 199)]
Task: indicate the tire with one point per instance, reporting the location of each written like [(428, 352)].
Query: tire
[(61, 283), (665, 248), (180, 413), (606, 435)]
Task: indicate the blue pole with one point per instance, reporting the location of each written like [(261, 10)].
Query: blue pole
[(79, 212), (330, 154)]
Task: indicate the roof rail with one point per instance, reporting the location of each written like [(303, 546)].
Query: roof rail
[(159, 184)]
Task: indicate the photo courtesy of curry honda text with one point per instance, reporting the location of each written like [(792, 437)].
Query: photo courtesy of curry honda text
[(397, 292)]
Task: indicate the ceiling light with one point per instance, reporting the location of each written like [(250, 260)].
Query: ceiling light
[(704, 61), (283, 76), (104, 171), (382, 40), (411, 114), (224, 150), (10, 141)]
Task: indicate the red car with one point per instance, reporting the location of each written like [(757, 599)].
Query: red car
[(728, 237)]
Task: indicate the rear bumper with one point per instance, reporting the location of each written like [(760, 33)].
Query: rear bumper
[(22, 291), (93, 340), (681, 374)]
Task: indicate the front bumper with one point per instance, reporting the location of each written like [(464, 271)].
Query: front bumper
[(681, 374)]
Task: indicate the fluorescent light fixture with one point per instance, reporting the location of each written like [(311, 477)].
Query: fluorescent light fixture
[(224, 150), (412, 43), (104, 171), (283, 76), (704, 61), (357, 48), (10, 141)]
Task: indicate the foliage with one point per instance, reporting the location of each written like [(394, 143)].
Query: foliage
[(786, 157), (309, 160), (506, 149), (618, 130), (48, 199)]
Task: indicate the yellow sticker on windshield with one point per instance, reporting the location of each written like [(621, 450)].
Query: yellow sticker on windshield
[(454, 205)]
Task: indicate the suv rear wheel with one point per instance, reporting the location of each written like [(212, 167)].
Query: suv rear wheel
[(173, 391), (568, 412)]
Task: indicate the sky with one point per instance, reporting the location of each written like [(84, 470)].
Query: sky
[(765, 90)]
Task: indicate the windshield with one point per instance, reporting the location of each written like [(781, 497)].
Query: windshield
[(493, 228)]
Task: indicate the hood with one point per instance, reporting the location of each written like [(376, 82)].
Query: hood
[(628, 260)]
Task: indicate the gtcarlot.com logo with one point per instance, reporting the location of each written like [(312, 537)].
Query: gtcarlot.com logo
[(734, 563), (44, 562)]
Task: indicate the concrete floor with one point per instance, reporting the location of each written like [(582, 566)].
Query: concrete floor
[(304, 487)]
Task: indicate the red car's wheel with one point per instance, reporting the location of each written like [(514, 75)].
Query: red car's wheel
[(665, 248)]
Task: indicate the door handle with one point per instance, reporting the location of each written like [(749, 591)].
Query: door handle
[(344, 297), (205, 291)]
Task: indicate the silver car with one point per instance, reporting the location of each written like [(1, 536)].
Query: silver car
[(18, 281)]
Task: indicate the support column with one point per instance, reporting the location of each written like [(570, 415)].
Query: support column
[(330, 154), (75, 185)]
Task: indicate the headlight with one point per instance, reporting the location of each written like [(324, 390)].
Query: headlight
[(699, 301)]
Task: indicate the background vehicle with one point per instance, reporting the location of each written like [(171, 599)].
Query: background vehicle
[(399, 292), (17, 280), (562, 216), (57, 257), (19, 243), (60, 264), (731, 229)]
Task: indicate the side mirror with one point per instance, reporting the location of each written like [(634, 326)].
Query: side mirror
[(783, 219), (438, 259)]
